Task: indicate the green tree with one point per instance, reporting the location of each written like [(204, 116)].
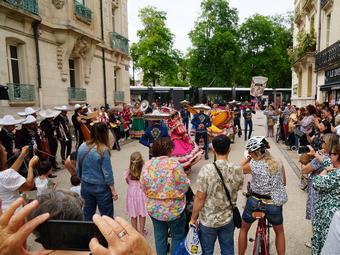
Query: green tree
[(154, 52), (215, 51), (264, 42)]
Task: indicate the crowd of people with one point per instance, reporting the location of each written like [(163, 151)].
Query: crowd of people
[(159, 187)]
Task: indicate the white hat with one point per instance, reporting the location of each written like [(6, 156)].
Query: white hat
[(63, 108), (49, 113), (78, 106), (29, 120), (184, 102), (8, 120), (28, 111), (156, 115), (201, 107)]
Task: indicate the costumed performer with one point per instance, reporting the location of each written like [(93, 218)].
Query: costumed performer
[(138, 124)]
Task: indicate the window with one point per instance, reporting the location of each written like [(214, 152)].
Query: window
[(115, 80), (72, 73), (14, 64), (311, 25), (328, 30), (310, 81), (300, 84), (113, 20), (83, 2)]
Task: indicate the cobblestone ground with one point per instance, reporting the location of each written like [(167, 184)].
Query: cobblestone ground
[(297, 229)]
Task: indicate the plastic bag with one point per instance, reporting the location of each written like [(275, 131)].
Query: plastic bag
[(192, 241)]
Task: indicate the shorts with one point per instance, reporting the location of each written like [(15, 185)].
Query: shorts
[(273, 212)]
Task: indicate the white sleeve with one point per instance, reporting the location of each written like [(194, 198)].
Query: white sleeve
[(11, 180), (337, 128)]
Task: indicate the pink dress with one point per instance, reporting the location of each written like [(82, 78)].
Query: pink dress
[(135, 199)]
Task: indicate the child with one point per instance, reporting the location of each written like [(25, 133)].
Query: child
[(135, 199), (42, 183), (75, 181)]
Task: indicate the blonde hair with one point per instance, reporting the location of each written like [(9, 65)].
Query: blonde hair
[(273, 165), (136, 165)]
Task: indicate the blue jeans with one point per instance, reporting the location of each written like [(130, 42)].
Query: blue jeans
[(248, 126), (93, 195), (225, 236), (177, 231)]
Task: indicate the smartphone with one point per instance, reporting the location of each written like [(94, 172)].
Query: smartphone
[(68, 235), (303, 149)]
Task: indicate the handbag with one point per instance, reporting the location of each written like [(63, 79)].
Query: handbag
[(236, 213)]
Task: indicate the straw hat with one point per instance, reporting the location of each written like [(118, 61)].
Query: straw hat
[(28, 111), (8, 120), (29, 120), (49, 113), (202, 107)]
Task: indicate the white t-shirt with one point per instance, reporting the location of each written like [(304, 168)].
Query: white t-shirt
[(10, 182), (41, 185), (76, 189)]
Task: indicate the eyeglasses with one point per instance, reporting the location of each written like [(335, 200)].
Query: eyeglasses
[(333, 153)]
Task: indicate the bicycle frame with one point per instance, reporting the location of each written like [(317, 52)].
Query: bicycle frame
[(261, 246)]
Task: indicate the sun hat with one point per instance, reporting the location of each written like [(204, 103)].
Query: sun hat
[(9, 120), (29, 120), (28, 111), (157, 115), (63, 108), (49, 113), (202, 107)]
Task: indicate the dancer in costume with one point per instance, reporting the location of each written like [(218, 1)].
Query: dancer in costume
[(126, 115), (138, 124), (155, 130), (185, 150)]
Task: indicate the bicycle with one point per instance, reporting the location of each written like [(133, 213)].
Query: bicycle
[(262, 236)]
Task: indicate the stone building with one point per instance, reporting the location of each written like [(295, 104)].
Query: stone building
[(316, 53), (55, 52)]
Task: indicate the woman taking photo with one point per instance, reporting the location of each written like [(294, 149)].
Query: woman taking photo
[(95, 172), (327, 183), (11, 182), (267, 188), (165, 183)]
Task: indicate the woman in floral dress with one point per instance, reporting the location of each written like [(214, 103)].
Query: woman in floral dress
[(313, 169), (328, 186)]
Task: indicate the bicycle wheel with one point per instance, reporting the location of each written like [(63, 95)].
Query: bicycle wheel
[(258, 245)]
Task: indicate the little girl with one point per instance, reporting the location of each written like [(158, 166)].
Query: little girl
[(135, 199), (42, 183)]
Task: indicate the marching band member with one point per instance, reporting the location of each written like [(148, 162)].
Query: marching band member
[(28, 135), (79, 135), (116, 126), (7, 136), (49, 129), (63, 132), (201, 122), (155, 130), (126, 115)]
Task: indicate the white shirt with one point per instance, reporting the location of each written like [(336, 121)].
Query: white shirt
[(76, 189), (10, 182), (41, 185)]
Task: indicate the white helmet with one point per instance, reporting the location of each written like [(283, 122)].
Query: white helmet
[(257, 142)]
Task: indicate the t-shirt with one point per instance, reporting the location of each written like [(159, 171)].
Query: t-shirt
[(76, 189), (41, 185), (10, 182), (217, 211)]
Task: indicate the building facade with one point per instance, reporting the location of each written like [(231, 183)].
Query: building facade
[(316, 53), (60, 52)]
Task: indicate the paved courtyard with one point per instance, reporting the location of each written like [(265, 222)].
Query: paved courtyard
[(297, 229)]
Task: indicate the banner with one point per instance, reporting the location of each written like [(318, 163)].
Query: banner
[(258, 84)]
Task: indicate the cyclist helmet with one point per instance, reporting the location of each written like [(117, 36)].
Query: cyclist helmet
[(256, 143)]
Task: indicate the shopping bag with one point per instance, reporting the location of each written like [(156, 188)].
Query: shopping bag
[(192, 241)]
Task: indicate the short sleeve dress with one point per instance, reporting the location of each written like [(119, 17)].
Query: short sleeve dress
[(135, 199)]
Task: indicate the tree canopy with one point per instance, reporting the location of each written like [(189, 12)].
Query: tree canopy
[(223, 53)]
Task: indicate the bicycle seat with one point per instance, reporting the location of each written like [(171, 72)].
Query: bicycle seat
[(258, 215)]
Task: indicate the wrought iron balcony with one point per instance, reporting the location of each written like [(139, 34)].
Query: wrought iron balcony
[(77, 94), (119, 42), (21, 93), (27, 5), (328, 57), (118, 96), (82, 12)]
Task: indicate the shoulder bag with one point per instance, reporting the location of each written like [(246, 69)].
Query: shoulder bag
[(236, 213), (81, 162)]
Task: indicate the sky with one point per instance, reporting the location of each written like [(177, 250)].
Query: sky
[(182, 14)]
